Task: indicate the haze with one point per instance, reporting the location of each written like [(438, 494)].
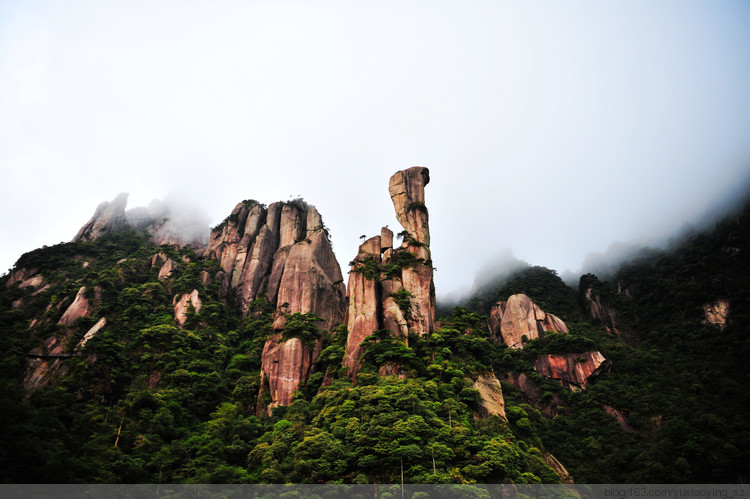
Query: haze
[(551, 129)]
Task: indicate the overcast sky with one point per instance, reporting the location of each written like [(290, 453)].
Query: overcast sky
[(551, 129)]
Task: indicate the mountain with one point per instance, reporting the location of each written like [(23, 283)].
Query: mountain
[(152, 349)]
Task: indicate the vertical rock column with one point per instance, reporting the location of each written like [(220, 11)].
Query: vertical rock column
[(363, 314), (407, 193), (393, 288)]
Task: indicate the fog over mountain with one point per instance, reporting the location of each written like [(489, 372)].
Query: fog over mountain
[(551, 131)]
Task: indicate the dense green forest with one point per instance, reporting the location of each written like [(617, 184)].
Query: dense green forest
[(147, 401)]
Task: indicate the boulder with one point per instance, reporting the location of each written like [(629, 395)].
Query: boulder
[(520, 317), (492, 402)]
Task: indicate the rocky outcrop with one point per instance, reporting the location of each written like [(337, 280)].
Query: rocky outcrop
[(91, 333), (46, 364), (598, 305), (166, 269), (392, 288), (558, 468), (363, 314), (491, 393), (164, 223), (573, 370), (620, 417), (108, 217), (183, 304), (532, 393), (284, 366), (281, 251), (716, 313), (519, 319)]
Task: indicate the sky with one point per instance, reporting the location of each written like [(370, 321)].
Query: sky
[(551, 129)]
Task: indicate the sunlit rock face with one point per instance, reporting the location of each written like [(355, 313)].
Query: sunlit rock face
[(393, 288), (283, 251), (520, 317), (716, 313), (573, 370), (363, 314)]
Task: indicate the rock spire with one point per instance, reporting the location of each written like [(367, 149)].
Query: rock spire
[(392, 288)]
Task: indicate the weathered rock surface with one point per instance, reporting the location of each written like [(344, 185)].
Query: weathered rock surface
[(407, 193), (518, 317), (533, 393), (108, 217), (182, 305), (492, 402), (621, 419), (166, 224), (91, 333), (393, 288), (363, 314), (45, 365), (558, 468), (284, 252), (166, 269), (79, 308), (600, 308), (573, 370), (284, 366), (717, 313)]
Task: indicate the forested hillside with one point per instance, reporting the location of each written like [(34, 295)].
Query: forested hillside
[(161, 392)]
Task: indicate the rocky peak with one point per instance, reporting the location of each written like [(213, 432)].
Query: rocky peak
[(108, 217), (392, 288), (283, 251), (407, 193), (165, 223), (520, 317)]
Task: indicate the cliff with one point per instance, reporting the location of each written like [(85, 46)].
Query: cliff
[(281, 252), (392, 288)]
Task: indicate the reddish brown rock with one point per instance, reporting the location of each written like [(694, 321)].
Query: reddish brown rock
[(182, 306), (573, 370), (79, 308), (558, 468), (166, 269), (406, 188), (492, 402), (395, 290), (363, 317), (520, 317), (284, 366), (282, 250), (716, 313)]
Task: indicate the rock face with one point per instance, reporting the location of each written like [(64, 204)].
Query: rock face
[(108, 217), (518, 317), (598, 306), (492, 402), (281, 251), (284, 366), (183, 304), (573, 370), (717, 313), (393, 288), (46, 364), (165, 224)]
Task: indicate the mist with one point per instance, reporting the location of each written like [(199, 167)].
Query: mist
[(551, 129)]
